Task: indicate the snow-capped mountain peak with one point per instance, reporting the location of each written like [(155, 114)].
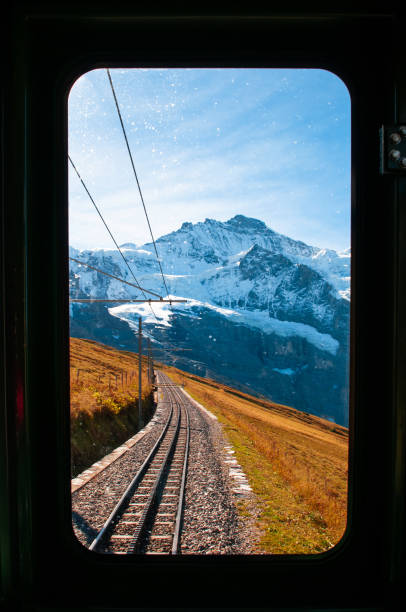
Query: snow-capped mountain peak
[(236, 274)]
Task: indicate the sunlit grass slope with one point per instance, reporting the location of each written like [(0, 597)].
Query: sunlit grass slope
[(103, 400), (296, 463)]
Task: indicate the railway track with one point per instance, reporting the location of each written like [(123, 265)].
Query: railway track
[(148, 517)]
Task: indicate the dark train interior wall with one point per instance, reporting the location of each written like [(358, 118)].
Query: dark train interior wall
[(46, 47)]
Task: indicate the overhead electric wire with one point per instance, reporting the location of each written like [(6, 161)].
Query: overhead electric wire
[(139, 187), (146, 214), (111, 235), (136, 178), (143, 204), (125, 301), (141, 196), (82, 263)]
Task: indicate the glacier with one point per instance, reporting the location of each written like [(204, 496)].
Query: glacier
[(281, 304)]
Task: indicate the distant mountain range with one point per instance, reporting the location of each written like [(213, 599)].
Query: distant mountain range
[(265, 313)]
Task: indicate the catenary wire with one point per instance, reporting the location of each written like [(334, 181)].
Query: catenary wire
[(82, 263), (140, 192), (145, 211), (116, 278), (136, 178), (111, 235), (142, 198)]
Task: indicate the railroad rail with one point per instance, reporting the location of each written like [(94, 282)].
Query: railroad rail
[(148, 517)]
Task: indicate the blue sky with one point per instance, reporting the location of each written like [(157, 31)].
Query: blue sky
[(267, 143)]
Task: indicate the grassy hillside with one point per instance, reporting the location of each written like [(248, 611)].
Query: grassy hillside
[(296, 463), (103, 400)]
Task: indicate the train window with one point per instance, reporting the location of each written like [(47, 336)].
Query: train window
[(209, 280), (89, 110)]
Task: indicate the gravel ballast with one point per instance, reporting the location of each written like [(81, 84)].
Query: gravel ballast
[(214, 486)]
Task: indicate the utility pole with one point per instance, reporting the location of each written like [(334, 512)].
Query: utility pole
[(139, 374), (150, 366)]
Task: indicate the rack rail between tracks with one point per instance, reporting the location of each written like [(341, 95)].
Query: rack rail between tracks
[(148, 516)]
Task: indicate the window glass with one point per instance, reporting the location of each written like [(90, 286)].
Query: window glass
[(209, 223)]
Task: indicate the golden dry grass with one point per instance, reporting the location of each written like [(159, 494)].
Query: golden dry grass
[(101, 375), (104, 400), (285, 453), (296, 463)]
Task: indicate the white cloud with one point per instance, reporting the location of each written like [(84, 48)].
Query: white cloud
[(264, 161)]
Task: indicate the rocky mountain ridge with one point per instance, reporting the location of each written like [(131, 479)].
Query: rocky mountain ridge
[(265, 312)]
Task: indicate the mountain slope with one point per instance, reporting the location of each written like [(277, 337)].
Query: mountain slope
[(308, 453), (264, 312)]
